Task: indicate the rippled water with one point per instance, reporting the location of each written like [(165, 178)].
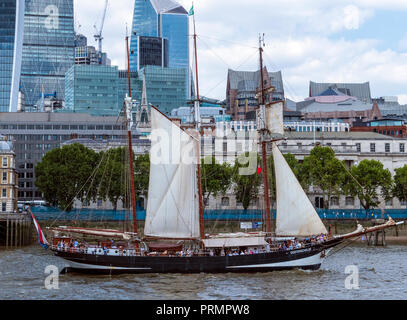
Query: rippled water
[(382, 275)]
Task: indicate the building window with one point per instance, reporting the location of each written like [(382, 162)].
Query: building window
[(334, 201), (4, 193), (225, 147), (5, 162), (387, 147), (225, 202), (402, 147), (4, 176), (4, 206), (358, 147), (372, 147), (350, 201)]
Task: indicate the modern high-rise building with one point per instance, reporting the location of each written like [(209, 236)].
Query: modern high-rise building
[(100, 90), (48, 50), (167, 20), (153, 51), (11, 39), (92, 89), (161, 18)]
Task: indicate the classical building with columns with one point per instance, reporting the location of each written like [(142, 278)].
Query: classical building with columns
[(8, 175)]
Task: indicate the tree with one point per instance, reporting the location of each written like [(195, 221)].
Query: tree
[(111, 176), (142, 175), (216, 177), (323, 170), (400, 184), (367, 180), (65, 174), (245, 178)]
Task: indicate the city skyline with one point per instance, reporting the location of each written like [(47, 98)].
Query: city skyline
[(343, 41)]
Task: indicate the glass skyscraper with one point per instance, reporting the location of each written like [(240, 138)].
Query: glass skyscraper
[(165, 19), (11, 35), (100, 90), (92, 89), (48, 49)]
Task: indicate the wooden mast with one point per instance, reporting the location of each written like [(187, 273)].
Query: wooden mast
[(264, 144), (130, 146), (198, 128)]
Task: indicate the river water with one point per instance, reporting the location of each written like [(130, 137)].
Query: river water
[(382, 275)]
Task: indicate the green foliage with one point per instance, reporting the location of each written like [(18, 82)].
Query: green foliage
[(216, 177), (245, 178), (63, 175), (110, 176), (141, 175), (76, 172), (323, 170), (368, 180), (400, 184)]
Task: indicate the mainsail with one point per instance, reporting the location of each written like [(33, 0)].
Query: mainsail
[(296, 215), (173, 203)]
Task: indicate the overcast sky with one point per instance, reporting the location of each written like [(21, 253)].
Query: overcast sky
[(308, 40)]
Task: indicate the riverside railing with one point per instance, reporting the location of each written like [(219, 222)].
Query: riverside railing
[(51, 214)]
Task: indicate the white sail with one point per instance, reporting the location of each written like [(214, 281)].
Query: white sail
[(274, 117), (173, 203), (296, 215)]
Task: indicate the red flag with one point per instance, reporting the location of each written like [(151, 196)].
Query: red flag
[(258, 170)]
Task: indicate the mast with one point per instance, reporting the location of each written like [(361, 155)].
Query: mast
[(198, 128), (130, 144), (263, 133)]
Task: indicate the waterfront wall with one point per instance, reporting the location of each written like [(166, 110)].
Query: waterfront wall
[(16, 230)]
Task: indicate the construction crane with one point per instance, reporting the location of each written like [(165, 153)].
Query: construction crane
[(98, 34)]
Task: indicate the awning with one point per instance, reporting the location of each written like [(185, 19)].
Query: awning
[(234, 242)]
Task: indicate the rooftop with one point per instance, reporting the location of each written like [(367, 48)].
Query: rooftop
[(168, 6), (35, 117), (337, 135), (358, 90)]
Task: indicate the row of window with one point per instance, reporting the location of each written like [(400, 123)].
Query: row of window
[(60, 127), (349, 201)]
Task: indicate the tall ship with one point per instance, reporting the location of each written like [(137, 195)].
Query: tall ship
[(174, 238)]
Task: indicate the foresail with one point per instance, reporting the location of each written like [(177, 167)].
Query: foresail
[(296, 215), (173, 203)]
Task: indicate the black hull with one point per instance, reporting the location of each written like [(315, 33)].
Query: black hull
[(307, 259)]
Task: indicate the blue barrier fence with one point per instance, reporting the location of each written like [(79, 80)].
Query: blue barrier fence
[(47, 213)]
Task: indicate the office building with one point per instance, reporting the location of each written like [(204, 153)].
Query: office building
[(166, 20), (80, 40), (361, 91), (11, 40), (166, 87), (48, 50), (34, 134), (153, 51), (242, 88), (92, 89)]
